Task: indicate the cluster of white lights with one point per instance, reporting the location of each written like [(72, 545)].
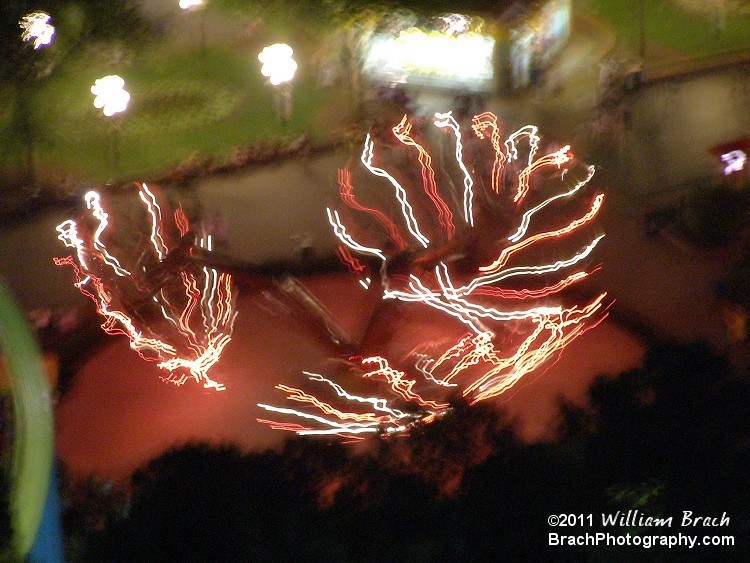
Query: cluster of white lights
[(110, 95), (36, 28), (278, 64)]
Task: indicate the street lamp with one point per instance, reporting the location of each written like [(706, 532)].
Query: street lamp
[(111, 97), (36, 28), (279, 67), (197, 6)]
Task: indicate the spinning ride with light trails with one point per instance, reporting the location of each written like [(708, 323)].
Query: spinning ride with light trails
[(494, 232), (144, 272)]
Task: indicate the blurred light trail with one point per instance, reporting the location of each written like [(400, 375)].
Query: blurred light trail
[(496, 247), (735, 161), (37, 29), (174, 310)]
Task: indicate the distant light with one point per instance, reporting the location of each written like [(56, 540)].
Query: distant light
[(36, 28), (110, 95), (735, 161), (191, 4), (278, 63)]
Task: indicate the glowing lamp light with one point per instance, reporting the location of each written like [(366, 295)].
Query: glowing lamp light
[(36, 28), (278, 64), (110, 95), (191, 4), (735, 161)]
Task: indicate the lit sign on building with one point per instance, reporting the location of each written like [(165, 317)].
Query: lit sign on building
[(452, 54), (458, 52)]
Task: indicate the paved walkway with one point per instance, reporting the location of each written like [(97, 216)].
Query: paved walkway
[(274, 212)]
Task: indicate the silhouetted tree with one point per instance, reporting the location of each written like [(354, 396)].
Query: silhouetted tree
[(6, 531), (670, 436)]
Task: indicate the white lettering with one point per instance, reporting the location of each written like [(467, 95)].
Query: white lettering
[(689, 520)]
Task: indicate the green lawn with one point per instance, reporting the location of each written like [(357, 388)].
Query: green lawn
[(180, 104), (670, 26), (183, 103)]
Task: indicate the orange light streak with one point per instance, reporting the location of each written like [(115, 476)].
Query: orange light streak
[(503, 293), (398, 382), (556, 159), (286, 426), (508, 251), (181, 221), (294, 394), (526, 219)]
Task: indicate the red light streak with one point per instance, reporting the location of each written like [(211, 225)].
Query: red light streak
[(181, 220), (402, 132), (481, 124), (352, 264), (174, 311), (347, 195)]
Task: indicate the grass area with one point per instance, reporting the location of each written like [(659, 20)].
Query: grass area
[(180, 104), (188, 102), (669, 25)]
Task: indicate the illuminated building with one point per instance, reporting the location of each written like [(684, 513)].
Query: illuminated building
[(482, 54)]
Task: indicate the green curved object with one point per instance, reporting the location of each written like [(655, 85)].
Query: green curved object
[(33, 429)]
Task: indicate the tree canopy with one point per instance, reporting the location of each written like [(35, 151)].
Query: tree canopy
[(667, 437)]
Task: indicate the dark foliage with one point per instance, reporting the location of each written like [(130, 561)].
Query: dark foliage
[(671, 436), (6, 532), (715, 215)]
